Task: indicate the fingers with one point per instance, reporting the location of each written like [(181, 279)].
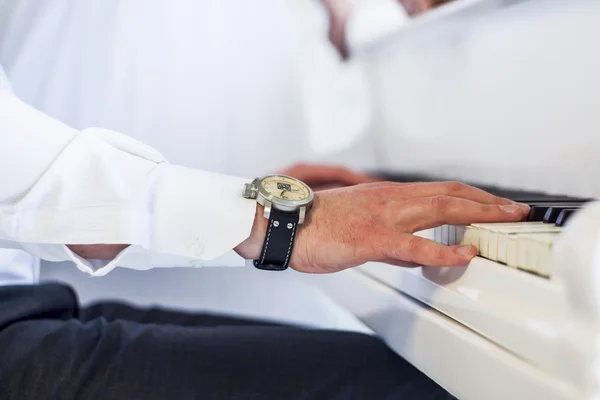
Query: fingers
[(454, 189), (350, 178), (461, 190), (429, 212), (315, 175), (403, 249), (326, 186)]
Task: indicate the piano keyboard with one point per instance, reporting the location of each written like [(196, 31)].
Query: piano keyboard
[(539, 337), (526, 245), (523, 245), (519, 314)]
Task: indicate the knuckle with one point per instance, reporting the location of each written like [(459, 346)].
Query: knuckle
[(428, 254), (439, 253), (455, 187), (488, 209), (440, 203), (501, 200), (414, 246)]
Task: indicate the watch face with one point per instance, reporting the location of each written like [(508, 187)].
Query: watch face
[(285, 188)]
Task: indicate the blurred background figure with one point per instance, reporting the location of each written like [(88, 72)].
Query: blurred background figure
[(418, 6)]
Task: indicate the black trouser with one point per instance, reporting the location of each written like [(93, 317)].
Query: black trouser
[(52, 349)]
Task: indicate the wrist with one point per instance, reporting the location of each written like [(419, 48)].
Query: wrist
[(250, 248), (97, 251), (286, 201)]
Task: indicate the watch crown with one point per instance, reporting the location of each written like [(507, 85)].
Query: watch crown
[(250, 191)]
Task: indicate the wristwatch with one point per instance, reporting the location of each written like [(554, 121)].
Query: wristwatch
[(286, 201)]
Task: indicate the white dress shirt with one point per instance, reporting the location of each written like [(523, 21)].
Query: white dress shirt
[(97, 186), (87, 185)]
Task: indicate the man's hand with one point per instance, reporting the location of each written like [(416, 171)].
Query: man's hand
[(320, 177), (374, 222)]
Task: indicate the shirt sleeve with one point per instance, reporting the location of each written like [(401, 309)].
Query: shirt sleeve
[(61, 186)]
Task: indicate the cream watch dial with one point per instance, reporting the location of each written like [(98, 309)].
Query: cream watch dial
[(285, 188)]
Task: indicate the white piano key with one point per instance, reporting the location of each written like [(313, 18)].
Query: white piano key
[(444, 234), (483, 242), (459, 234), (538, 251), (451, 235), (484, 236), (530, 253), (502, 248), (482, 239), (545, 262), (500, 242), (510, 241), (517, 248), (498, 236), (521, 253), (437, 234), (493, 245), (471, 236), (426, 234)]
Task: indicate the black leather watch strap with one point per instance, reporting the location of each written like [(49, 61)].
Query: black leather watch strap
[(279, 241)]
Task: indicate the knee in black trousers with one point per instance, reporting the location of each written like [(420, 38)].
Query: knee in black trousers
[(53, 350)]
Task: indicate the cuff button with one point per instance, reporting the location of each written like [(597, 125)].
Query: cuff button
[(197, 249)]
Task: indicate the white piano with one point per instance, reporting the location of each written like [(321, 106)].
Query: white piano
[(503, 93)]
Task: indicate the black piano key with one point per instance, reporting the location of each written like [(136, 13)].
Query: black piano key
[(538, 209), (548, 199), (564, 216), (519, 195), (553, 212), (551, 215), (537, 212)]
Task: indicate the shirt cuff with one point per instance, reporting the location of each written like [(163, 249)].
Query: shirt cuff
[(199, 218), (200, 215), (135, 257)]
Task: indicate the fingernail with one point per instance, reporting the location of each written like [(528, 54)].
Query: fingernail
[(465, 251), (510, 209), (524, 207)]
